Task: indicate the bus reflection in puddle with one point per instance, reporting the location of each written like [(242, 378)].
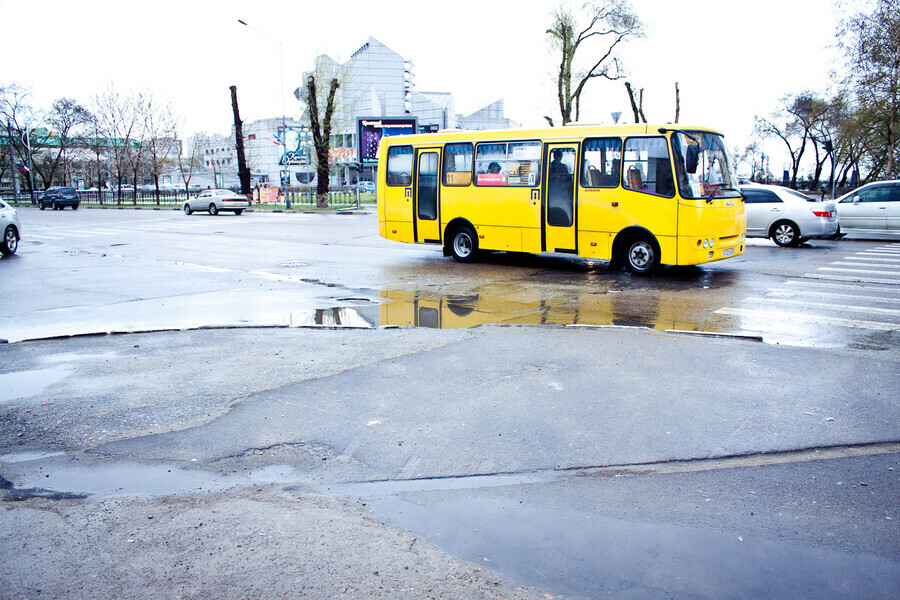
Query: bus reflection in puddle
[(409, 308)]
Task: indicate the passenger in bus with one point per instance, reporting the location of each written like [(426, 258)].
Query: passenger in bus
[(556, 165), (494, 167)]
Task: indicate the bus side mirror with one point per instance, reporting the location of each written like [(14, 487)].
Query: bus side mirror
[(692, 158)]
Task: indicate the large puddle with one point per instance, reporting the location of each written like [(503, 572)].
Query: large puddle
[(23, 384), (134, 479), (566, 551), (490, 304), (693, 305), (589, 555)]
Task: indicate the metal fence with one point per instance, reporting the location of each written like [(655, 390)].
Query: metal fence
[(299, 196)]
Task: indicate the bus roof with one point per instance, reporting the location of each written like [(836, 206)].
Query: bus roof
[(546, 133)]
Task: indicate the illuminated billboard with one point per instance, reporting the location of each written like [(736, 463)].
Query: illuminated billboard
[(372, 129)]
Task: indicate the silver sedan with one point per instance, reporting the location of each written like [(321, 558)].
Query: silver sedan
[(216, 201), (787, 216)]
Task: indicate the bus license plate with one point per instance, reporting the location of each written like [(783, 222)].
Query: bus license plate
[(727, 252)]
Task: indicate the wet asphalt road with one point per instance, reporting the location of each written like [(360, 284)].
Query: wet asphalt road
[(603, 449)]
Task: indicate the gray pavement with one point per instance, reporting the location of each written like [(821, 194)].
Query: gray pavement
[(589, 447), (286, 440)]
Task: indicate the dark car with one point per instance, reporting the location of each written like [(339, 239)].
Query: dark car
[(58, 198)]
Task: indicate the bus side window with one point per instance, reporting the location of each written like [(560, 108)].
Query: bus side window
[(602, 161), (399, 166), (458, 164), (647, 166)]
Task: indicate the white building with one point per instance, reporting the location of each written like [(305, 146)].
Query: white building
[(378, 82)]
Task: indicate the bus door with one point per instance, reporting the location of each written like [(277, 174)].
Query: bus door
[(426, 221), (559, 198)]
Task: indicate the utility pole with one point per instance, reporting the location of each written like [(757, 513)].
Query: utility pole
[(30, 166), (12, 160), (284, 175)]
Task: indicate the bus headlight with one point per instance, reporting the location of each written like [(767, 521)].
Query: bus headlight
[(705, 244), (712, 242)]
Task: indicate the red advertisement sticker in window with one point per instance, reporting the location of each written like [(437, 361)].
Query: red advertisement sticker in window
[(491, 179)]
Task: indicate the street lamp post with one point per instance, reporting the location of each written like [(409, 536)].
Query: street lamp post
[(283, 133), (27, 140)]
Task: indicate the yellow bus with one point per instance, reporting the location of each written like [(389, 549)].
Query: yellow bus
[(637, 195)]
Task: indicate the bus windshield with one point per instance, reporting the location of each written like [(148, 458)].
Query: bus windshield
[(713, 177)]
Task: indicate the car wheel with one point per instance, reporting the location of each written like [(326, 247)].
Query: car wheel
[(239, 211), (10, 241), (187, 209), (213, 210), (43, 206), (54, 206), (464, 245), (74, 207), (642, 255), (785, 233)]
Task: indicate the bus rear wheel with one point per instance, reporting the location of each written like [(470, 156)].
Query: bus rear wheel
[(464, 245), (642, 256)]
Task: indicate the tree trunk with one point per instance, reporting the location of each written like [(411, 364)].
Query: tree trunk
[(641, 106), (243, 171), (634, 108), (677, 102), (321, 131)]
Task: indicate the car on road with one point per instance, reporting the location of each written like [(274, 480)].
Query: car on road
[(216, 201), (366, 186), (871, 209), (9, 226), (58, 198), (786, 216)]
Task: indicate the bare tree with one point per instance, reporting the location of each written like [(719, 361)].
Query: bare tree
[(594, 31), (677, 103), (66, 118), (118, 123), (188, 162), (793, 124), (134, 110), (243, 170), (161, 141), (637, 109), (320, 124), (871, 43), (19, 120)]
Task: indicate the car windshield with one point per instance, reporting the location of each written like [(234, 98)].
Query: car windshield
[(713, 178)]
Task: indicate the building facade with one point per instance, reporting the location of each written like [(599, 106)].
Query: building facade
[(378, 82)]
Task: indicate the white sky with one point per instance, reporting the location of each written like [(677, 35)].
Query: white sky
[(732, 59)]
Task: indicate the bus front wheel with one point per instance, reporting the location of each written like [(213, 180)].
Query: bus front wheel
[(641, 256), (464, 245)]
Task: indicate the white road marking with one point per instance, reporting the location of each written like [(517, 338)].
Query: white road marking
[(835, 307), (821, 294), (849, 278), (880, 265), (790, 316)]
